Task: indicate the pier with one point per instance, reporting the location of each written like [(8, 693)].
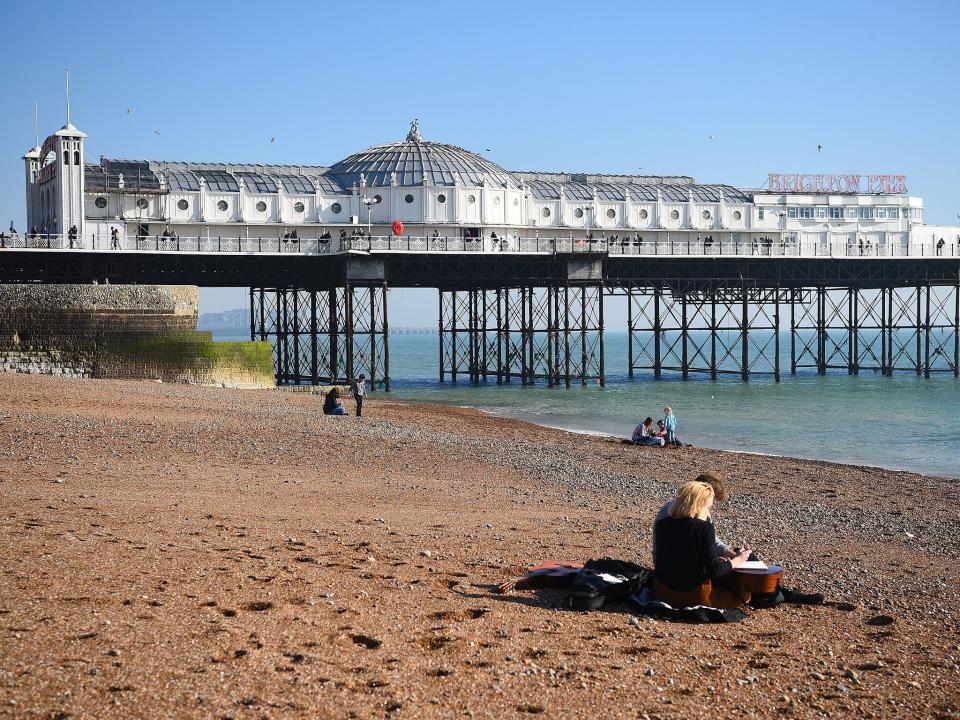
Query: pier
[(533, 311)]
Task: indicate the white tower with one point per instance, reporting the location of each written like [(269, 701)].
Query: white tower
[(68, 142), (31, 162)]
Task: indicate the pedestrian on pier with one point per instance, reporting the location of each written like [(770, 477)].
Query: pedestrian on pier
[(359, 387), (114, 239), (72, 235)]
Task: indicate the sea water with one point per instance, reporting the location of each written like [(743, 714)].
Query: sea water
[(902, 422)]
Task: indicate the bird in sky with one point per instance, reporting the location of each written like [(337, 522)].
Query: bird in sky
[(273, 139), (156, 132), (819, 148), (710, 137), (129, 111), (488, 150)]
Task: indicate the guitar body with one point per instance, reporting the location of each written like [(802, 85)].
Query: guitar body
[(760, 581)]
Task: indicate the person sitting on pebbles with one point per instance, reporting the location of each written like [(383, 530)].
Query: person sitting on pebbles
[(645, 434), (713, 479), (332, 404), (687, 570)]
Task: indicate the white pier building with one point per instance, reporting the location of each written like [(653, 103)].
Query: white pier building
[(448, 199)]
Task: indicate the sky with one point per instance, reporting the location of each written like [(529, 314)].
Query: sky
[(616, 87)]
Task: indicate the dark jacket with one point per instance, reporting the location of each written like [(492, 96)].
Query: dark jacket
[(686, 553)]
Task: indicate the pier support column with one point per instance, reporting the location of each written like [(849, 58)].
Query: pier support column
[(321, 336)]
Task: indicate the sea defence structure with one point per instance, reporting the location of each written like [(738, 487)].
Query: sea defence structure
[(817, 272), (120, 331)]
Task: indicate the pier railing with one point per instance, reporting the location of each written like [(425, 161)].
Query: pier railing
[(613, 246)]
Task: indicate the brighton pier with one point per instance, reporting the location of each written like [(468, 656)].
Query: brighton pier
[(715, 276)]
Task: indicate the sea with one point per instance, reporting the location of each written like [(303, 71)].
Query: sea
[(902, 422)]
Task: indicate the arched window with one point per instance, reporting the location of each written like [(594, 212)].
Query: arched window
[(66, 157), (76, 157)]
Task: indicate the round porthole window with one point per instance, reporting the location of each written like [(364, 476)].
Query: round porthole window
[(705, 214), (545, 212), (496, 200), (674, 214), (737, 215), (182, 205), (222, 206), (611, 213), (441, 198), (298, 207), (644, 214), (408, 198), (471, 199), (516, 201), (142, 203), (378, 198), (336, 208), (100, 202), (578, 213), (261, 206)]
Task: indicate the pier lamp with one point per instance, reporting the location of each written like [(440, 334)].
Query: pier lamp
[(369, 202)]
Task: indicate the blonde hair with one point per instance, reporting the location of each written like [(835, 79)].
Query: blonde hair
[(668, 410), (692, 501)]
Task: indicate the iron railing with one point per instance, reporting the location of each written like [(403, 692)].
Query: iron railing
[(613, 246)]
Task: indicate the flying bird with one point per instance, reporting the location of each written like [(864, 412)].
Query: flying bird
[(710, 137), (488, 150), (819, 148), (129, 111), (156, 132), (273, 139)]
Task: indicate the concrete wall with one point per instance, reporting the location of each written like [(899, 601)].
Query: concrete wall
[(121, 331)]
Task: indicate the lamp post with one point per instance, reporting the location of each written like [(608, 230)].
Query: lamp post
[(369, 202)]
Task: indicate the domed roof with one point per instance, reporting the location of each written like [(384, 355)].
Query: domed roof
[(416, 159)]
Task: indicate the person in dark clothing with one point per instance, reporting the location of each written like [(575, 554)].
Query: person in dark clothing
[(72, 235), (331, 403), (687, 569), (359, 387)]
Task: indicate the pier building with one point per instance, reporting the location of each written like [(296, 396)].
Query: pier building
[(522, 259)]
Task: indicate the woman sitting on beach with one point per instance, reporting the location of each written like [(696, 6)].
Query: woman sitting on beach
[(644, 434), (331, 403), (687, 570)]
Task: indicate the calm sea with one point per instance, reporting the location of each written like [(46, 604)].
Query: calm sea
[(903, 422)]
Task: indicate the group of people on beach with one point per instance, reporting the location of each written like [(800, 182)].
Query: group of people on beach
[(358, 388), (665, 432)]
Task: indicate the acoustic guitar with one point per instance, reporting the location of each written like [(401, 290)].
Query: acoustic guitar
[(760, 581)]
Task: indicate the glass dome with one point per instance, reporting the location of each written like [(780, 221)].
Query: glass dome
[(416, 160)]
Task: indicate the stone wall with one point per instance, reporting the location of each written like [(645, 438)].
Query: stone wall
[(121, 331)]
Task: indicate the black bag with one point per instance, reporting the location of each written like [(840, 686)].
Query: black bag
[(605, 580)]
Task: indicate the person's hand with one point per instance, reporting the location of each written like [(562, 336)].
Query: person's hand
[(740, 558)]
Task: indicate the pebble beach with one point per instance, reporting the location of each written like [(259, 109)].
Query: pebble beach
[(197, 552)]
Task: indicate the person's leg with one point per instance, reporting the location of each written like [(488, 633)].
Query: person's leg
[(339, 410), (359, 405)]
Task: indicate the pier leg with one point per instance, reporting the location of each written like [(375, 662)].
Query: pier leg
[(883, 331), (314, 339), (745, 333), (630, 359), (713, 332), (776, 334), (821, 331), (566, 334), (926, 332), (684, 337), (919, 326), (956, 329), (657, 329)]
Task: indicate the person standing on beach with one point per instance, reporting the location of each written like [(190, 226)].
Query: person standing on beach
[(359, 392), (670, 422)]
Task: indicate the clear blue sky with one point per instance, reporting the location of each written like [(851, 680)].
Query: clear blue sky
[(611, 87)]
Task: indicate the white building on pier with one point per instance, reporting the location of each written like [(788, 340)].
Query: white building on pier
[(439, 190)]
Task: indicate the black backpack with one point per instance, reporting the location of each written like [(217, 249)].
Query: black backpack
[(605, 580)]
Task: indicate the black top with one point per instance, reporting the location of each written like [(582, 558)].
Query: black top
[(330, 403), (686, 553)]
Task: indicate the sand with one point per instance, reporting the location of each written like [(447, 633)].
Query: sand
[(174, 551)]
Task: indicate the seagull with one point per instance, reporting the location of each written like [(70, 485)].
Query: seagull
[(156, 132), (819, 148), (273, 139), (488, 150), (710, 137), (129, 111)]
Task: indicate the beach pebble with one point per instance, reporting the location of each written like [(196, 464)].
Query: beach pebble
[(649, 672), (426, 553), (840, 687)]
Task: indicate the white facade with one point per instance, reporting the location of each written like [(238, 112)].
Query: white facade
[(441, 190)]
